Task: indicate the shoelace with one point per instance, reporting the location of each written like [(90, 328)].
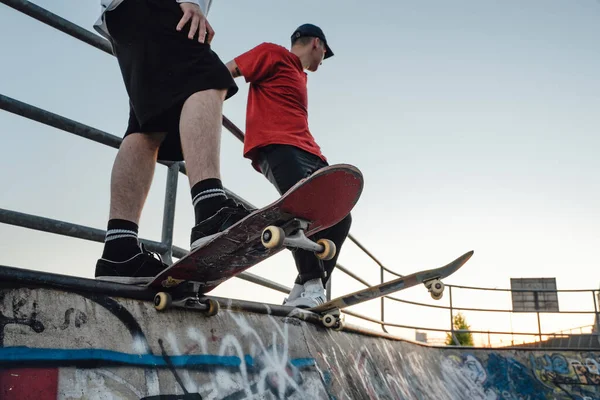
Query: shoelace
[(244, 208), (151, 253), (234, 204)]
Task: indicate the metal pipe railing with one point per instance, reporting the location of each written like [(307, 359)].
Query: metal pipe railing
[(570, 330), (453, 331), (169, 212), (522, 290), (451, 308), (351, 274), (166, 247), (59, 23), (59, 122), (73, 230), (65, 228), (367, 252), (77, 128)]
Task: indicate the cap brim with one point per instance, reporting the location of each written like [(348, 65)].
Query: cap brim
[(328, 53)]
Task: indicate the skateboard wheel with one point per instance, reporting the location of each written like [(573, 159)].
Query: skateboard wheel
[(329, 320), (436, 288), (272, 237), (213, 307), (328, 249), (162, 301), (436, 296)]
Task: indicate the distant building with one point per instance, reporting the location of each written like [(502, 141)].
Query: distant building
[(421, 337)]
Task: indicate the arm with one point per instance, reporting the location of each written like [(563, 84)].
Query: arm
[(233, 69), (254, 65)]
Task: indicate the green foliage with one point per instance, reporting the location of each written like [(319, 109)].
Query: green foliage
[(464, 338)]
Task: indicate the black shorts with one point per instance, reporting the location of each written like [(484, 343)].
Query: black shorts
[(161, 67)]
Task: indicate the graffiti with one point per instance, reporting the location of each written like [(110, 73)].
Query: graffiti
[(373, 380), (472, 374), (538, 377), (575, 376), (97, 347), (24, 356), (82, 359), (190, 362), (19, 317), (79, 319)]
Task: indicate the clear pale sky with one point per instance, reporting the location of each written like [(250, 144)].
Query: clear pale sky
[(475, 124)]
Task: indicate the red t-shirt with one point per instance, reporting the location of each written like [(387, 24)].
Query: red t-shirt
[(277, 110)]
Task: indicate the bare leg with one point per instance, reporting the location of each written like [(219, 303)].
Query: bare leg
[(200, 127), (132, 175), (123, 260)]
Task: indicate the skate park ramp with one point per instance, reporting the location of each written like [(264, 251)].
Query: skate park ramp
[(57, 344), (81, 341)]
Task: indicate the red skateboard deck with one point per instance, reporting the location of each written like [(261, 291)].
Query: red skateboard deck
[(323, 199)]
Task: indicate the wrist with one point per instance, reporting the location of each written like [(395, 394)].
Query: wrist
[(196, 2)]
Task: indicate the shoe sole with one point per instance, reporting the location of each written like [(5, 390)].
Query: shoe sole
[(304, 305), (202, 241)]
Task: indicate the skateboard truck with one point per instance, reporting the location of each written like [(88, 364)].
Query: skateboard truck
[(292, 235), (332, 319), (164, 300)]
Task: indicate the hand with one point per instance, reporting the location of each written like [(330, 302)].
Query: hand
[(199, 23)]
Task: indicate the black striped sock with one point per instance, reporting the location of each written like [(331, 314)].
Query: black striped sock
[(121, 240), (207, 196)]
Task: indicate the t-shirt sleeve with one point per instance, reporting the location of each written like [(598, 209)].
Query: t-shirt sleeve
[(256, 64)]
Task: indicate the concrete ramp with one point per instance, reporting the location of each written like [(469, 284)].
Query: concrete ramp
[(57, 344)]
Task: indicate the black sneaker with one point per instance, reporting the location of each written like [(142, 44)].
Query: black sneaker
[(139, 269), (231, 213)]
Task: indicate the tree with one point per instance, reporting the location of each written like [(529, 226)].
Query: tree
[(464, 338)]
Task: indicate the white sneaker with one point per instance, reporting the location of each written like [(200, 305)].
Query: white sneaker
[(294, 294), (312, 296)]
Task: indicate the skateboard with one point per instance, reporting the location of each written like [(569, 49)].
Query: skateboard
[(312, 205), (330, 311)]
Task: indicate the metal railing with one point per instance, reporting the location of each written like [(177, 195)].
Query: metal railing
[(166, 248)]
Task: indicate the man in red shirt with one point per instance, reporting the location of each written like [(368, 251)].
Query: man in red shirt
[(279, 143)]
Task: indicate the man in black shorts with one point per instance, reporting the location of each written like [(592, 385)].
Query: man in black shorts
[(279, 142), (176, 86)]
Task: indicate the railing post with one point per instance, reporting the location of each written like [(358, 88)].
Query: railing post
[(454, 339), (596, 316), (382, 299), (539, 328), (169, 211), (328, 288)]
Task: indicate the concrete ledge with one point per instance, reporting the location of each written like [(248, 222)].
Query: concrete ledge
[(83, 346)]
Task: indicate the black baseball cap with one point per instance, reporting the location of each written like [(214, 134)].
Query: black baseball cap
[(312, 31)]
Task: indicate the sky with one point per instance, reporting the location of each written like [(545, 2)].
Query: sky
[(475, 124)]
